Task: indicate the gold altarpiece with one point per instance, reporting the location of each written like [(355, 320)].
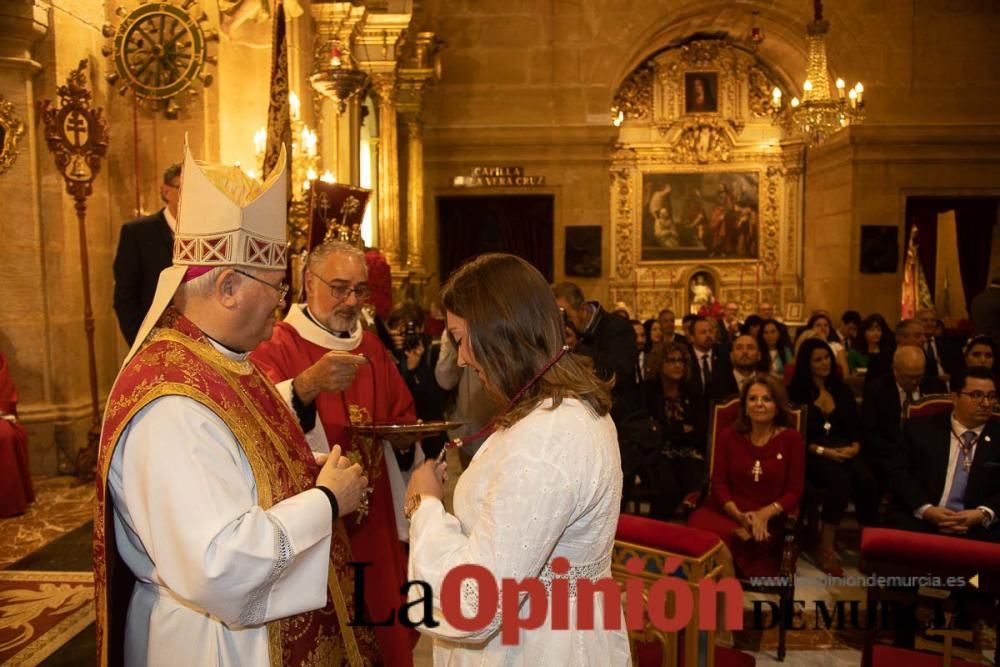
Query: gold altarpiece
[(674, 134)]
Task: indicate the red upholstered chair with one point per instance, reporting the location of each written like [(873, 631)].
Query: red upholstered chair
[(930, 405), (723, 414), (702, 557), (889, 656), (886, 552)]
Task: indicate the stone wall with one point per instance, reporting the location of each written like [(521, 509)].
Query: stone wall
[(525, 82), (523, 77), (42, 324)]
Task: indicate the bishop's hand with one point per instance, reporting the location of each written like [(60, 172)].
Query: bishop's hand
[(334, 371), (346, 480)]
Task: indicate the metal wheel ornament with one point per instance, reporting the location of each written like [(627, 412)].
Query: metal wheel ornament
[(158, 52)]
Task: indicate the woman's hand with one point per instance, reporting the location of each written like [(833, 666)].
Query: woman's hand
[(850, 451), (838, 454), (758, 524), (428, 480)]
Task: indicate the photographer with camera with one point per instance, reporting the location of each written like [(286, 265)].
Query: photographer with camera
[(416, 355)]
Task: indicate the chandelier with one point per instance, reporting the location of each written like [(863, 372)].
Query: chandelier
[(338, 78), (819, 114)]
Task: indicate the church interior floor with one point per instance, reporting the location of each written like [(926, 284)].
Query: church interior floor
[(45, 564)]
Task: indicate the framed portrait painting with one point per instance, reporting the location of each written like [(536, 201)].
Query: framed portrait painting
[(701, 92), (694, 216)]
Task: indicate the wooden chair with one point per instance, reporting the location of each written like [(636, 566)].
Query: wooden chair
[(899, 553), (892, 552), (702, 556), (722, 414)]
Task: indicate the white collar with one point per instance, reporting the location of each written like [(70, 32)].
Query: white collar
[(960, 428), (171, 220), (314, 333), (226, 352)]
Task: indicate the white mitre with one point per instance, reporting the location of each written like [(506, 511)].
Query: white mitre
[(224, 218)]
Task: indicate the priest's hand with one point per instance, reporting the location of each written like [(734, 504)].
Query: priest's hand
[(347, 481), (334, 371), (428, 480)]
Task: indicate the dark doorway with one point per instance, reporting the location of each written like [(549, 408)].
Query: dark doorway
[(520, 225)]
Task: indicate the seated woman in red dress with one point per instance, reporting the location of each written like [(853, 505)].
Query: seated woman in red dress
[(15, 479), (758, 474)]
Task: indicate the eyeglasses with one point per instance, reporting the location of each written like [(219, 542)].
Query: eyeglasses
[(343, 292), (281, 288), (980, 396)]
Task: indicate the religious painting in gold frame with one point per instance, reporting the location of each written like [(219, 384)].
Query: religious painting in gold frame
[(701, 92), (11, 130), (712, 215)]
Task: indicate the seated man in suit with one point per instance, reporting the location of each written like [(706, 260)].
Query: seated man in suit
[(945, 472), (144, 249), (943, 354), (668, 326), (886, 400), (745, 359), (710, 370)]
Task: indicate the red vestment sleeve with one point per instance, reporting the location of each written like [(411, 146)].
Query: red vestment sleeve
[(274, 357)]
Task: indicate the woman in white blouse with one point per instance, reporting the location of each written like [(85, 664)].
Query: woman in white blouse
[(546, 484)]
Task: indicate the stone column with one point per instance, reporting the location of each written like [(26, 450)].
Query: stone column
[(415, 196), (24, 321), (388, 168), (373, 203)]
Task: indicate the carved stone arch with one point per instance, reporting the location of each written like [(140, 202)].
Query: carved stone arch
[(784, 51)]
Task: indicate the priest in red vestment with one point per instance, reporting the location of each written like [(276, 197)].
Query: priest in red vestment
[(335, 375), (15, 478)]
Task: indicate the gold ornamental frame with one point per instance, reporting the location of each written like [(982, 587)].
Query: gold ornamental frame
[(11, 130), (659, 135)]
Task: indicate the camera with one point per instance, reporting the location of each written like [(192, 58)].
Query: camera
[(411, 339)]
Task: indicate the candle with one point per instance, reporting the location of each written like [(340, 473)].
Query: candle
[(293, 105), (260, 141), (758, 283)]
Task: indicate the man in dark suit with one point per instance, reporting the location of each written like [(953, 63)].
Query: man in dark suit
[(145, 248), (886, 399), (609, 341), (668, 327), (711, 371), (944, 356), (985, 310), (944, 475)]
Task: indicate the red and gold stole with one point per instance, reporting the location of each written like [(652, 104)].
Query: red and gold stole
[(179, 360)]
